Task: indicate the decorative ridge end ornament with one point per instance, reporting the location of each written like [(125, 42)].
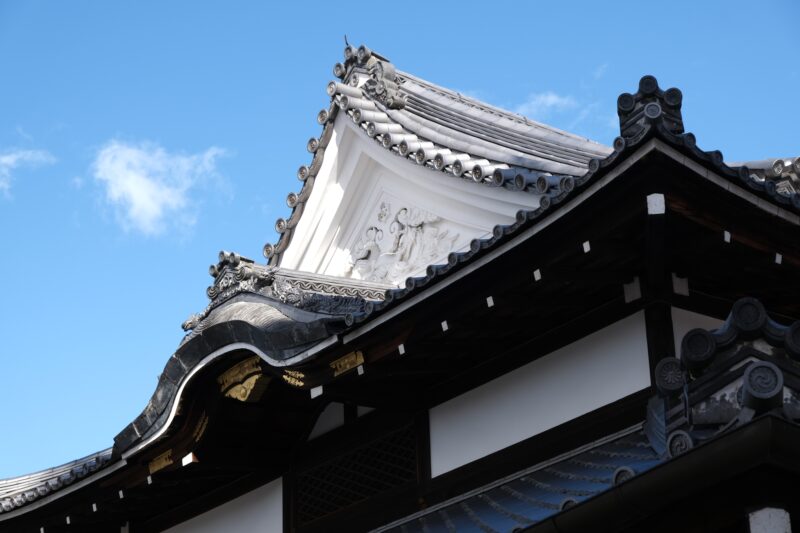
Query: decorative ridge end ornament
[(232, 275), (383, 83), (747, 367), (648, 105)]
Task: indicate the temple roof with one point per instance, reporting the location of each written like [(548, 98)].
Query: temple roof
[(442, 130), (469, 128), (450, 133), (781, 174), (287, 316), (650, 120)]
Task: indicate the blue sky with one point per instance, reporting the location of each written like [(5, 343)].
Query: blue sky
[(139, 139)]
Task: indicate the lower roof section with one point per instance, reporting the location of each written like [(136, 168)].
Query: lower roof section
[(543, 490), (18, 492), (713, 486)]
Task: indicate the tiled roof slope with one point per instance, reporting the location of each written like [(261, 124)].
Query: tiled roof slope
[(781, 175), (537, 493), (20, 491), (462, 137), (442, 130), (650, 113)]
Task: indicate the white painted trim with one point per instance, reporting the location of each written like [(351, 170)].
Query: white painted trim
[(770, 520), (632, 291), (656, 205), (680, 285)]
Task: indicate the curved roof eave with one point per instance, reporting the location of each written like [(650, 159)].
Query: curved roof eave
[(279, 333)]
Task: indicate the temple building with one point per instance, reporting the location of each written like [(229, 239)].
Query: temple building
[(472, 321)]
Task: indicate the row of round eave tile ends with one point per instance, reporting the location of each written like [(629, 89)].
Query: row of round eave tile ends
[(392, 136), (55, 483)]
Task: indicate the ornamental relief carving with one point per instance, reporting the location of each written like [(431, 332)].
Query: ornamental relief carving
[(399, 242)]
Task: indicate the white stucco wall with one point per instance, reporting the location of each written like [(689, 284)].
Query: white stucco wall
[(683, 321), (358, 179), (585, 375), (259, 510)]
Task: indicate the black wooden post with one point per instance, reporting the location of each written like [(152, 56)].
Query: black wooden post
[(657, 284)]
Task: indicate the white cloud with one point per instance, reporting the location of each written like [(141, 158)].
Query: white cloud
[(24, 134), (15, 158), (539, 105), (585, 112), (150, 187), (600, 71)]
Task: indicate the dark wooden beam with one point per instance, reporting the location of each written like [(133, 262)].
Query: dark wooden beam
[(656, 286)]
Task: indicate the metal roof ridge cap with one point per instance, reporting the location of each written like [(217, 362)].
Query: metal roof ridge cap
[(435, 287)]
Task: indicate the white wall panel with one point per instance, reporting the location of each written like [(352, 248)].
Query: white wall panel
[(259, 510), (358, 195), (585, 375)]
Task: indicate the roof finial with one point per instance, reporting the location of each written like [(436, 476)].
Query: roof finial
[(648, 105), (345, 40)]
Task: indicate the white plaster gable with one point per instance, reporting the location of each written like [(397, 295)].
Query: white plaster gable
[(375, 216)]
